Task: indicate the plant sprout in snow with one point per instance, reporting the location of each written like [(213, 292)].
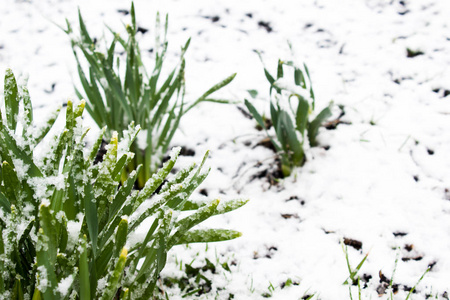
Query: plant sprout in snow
[(116, 97), (290, 110), (70, 230)]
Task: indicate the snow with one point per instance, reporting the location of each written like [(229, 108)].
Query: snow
[(64, 285), (43, 282), (385, 173)]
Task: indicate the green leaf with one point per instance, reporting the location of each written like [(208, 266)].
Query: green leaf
[(85, 290), (46, 250), (121, 237), (255, 113), (299, 79), (103, 259), (91, 219), (310, 89), (26, 233), (208, 236), (11, 99), (288, 138), (313, 127), (12, 185), (253, 93), (42, 132), (123, 193), (274, 113), (96, 146), (125, 294), (301, 117), (37, 295), (28, 110), (157, 255), (8, 142), (4, 203), (280, 72), (17, 290), (84, 34), (213, 89), (230, 205), (157, 179), (188, 222)]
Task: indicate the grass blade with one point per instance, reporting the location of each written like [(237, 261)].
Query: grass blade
[(11, 99), (313, 128), (208, 236), (85, 290)]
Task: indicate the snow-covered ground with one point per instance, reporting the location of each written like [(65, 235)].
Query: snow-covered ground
[(382, 180)]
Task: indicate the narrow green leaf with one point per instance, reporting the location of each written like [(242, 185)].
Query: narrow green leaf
[(157, 179), (301, 117), (188, 222), (4, 203), (157, 255), (288, 139), (28, 110), (90, 209), (280, 72), (96, 146), (11, 185), (208, 236), (84, 33), (125, 294), (37, 295), (179, 178), (11, 99), (299, 79), (42, 132), (123, 193), (46, 250), (103, 259), (17, 290), (121, 237), (274, 113), (85, 290), (255, 113), (113, 282), (313, 127), (253, 93), (310, 89), (119, 165), (26, 233), (133, 16), (213, 89), (230, 205)]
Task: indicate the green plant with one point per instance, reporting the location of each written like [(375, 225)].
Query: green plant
[(352, 272), (390, 288), (70, 230), (116, 96), (290, 136), (354, 279)]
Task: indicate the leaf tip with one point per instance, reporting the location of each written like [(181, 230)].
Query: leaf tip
[(124, 252)]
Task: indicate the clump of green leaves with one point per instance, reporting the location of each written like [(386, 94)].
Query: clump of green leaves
[(70, 230), (116, 96), (290, 110)]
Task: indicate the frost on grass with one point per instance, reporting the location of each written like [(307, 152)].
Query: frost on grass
[(101, 285), (64, 285), (21, 168), (43, 282), (127, 136), (73, 231)]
